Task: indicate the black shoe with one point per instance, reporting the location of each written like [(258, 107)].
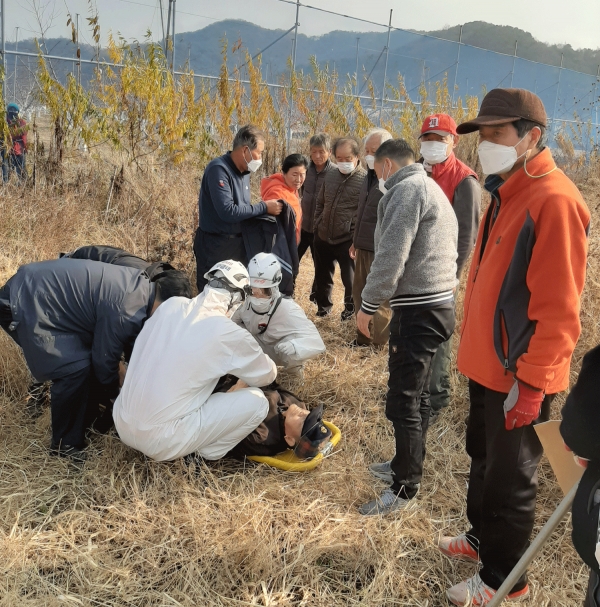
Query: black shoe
[(78, 456), (322, 313), (347, 315)]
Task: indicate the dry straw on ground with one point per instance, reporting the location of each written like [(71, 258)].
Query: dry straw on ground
[(128, 531)]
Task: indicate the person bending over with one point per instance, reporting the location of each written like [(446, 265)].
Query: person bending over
[(277, 323), (167, 407), (74, 319)]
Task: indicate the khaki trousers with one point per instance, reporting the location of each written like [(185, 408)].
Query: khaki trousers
[(380, 325)]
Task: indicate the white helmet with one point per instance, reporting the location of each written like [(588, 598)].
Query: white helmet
[(229, 275), (265, 271)]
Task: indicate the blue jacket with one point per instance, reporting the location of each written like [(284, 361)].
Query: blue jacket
[(70, 313), (224, 200)]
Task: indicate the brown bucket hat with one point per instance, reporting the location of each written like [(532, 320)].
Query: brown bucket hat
[(506, 105)]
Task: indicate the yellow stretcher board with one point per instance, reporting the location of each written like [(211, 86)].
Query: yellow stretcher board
[(288, 461)]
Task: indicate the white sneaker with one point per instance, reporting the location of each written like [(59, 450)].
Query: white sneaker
[(474, 592), (382, 471), (387, 502)]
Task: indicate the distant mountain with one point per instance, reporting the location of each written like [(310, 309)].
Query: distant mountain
[(414, 55)]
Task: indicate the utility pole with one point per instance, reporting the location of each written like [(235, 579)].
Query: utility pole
[(78, 49), (162, 22), (387, 54), (292, 72), (562, 56), (16, 51), (513, 68), (356, 70), (596, 104), (173, 43), (457, 64), (3, 35), (167, 49)]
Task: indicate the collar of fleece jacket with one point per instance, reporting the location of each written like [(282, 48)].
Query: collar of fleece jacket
[(405, 172)]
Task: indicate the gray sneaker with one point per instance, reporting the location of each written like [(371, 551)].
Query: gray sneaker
[(387, 502), (382, 471)]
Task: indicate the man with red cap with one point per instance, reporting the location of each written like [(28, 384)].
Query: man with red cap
[(520, 326), (461, 186)]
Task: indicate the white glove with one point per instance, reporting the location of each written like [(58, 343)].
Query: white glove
[(285, 348)]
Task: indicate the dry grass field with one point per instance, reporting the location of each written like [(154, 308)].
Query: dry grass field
[(129, 531)]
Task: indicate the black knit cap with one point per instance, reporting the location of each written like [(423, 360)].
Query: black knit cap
[(500, 106)]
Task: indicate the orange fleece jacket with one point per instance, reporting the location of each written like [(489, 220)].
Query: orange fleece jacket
[(555, 275), (275, 188)]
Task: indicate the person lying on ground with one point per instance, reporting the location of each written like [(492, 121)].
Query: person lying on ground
[(277, 323), (286, 185), (288, 425), (580, 429), (167, 408), (73, 319)]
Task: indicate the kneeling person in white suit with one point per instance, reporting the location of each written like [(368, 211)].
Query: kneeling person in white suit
[(278, 324), (166, 408)]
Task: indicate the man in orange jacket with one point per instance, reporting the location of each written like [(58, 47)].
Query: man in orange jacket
[(520, 327)]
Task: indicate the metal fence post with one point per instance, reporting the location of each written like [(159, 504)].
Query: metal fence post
[(556, 98), (292, 72), (387, 54), (173, 44), (457, 64), (514, 61), (3, 35), (356, 70)]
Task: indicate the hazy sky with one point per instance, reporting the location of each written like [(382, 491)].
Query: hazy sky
[(576, 22)]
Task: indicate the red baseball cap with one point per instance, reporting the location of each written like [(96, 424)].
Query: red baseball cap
[(441, 124)]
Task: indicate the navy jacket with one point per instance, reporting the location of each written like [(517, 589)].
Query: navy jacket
[(70, 313), (224, 200), (277, 235)]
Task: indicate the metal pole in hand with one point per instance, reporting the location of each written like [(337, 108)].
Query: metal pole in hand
[(387, 54), (542, 537)]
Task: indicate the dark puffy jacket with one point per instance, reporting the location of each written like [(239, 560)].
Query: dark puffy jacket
[(277, 235), (118, 257), (310, 191), (366, 216), (335, 215), (68, 314)]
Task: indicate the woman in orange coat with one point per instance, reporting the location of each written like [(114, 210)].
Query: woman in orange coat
[(285, 185)]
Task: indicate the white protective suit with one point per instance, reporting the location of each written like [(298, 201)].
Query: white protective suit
[(287, 324), (166, 408)]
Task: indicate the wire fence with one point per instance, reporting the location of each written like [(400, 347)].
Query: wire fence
[(374, 63)]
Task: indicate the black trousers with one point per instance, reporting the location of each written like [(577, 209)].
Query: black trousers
[(212, 248), (415, 336), (325, 256), (502, 484), (78, 402), (592, 598), (306, 242)]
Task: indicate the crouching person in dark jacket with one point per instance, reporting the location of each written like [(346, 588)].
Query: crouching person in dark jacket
[(73, 319), (580, 430)]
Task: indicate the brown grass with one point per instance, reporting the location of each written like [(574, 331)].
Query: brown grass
[(129, 531)]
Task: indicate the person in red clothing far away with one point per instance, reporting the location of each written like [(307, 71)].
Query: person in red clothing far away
[(14, 151), (520, 327), (286, 185), (461, 186)]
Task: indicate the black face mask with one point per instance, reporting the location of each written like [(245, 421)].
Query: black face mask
[(12, 117)]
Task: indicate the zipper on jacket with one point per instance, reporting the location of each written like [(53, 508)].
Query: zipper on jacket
[(503, 334)]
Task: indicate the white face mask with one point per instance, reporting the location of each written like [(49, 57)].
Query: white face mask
[(346, 168), (497, 159), (253, 165), (382, 181), (370, 160), (260, 305), (434, 152)]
